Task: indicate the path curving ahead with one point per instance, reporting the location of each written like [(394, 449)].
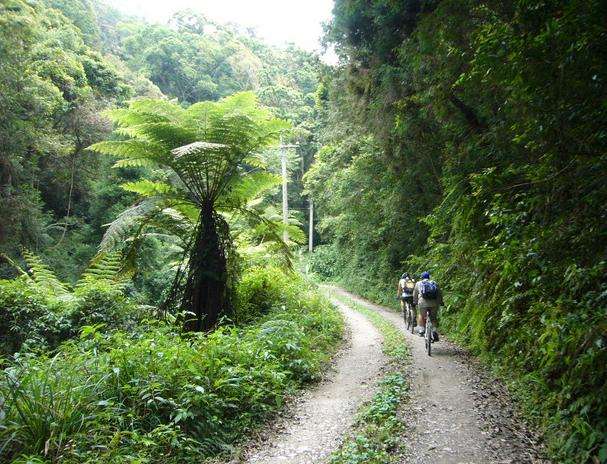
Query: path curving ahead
[(458, 414), (319, 420)]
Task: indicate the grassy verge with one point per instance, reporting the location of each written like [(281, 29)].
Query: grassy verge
[(376, 436)]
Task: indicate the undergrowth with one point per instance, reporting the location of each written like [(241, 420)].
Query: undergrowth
[(376, 283), (376, 438), (157, 395)]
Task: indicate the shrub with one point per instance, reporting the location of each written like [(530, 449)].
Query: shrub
[(263, 288), (376, 282), (31, 319), (103, 303), (161, 397), (27, 318), (324, 261)]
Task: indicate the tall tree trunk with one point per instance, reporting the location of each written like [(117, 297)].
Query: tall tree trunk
[(206, 292)]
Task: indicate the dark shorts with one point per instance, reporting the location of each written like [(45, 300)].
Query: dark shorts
[(433, 314)]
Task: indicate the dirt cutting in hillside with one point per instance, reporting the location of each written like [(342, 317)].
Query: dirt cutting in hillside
[(316, 423), (458, 413)]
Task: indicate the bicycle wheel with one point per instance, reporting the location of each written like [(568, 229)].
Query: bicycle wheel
[(408, 310), (428, 334)]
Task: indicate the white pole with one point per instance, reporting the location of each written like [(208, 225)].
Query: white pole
[(311, 235), (285, 199)]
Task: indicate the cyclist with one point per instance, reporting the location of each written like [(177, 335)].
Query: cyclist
[(404, 290), (427, 295)]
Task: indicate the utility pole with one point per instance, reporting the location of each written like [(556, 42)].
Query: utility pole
[(311, 232), (285, 180)]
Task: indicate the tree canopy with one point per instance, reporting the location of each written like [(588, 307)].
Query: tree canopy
[(67, 62)]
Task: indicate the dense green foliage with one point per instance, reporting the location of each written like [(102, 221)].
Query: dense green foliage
[(461, 137), (64, 62), (377, 436), (153, 395), (90, 372), (38, 311), (208, 167), (470, 142), (52, 87)]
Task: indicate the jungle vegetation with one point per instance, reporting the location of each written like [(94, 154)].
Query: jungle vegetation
[(142, 272), (468, 139), (65, 63)]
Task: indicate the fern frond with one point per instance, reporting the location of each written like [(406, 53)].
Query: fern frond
[(148, 188), (245, 190), (127, 117), (121, 228), (167, 109), (188, 210), (255, 161), (168, 134), (176, 218), (134, 163), (105, 267), (197, 149), (173, 222), (43, 275), (268, 232), (133, 150)]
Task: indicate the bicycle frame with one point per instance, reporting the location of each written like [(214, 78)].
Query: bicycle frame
[(409, 315), (428, 336), (412, 316)]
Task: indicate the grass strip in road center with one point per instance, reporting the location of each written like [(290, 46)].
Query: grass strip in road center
[(376, 438)]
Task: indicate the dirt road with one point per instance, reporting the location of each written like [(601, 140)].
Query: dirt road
[(315, 425), (458, 413)]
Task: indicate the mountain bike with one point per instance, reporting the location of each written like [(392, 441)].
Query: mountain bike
[(429, 335), (410, 316), (409, 313)]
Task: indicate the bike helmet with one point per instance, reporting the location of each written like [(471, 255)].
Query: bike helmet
[(425, 275), (405, 275)]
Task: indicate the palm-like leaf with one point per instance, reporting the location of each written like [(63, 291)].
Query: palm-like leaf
[(245, 190), (209, 152), (105, 267), (43, 275)]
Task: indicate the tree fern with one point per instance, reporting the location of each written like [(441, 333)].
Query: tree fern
[(209, 152)]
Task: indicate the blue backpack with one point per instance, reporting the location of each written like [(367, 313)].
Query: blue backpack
[(429, 290)]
